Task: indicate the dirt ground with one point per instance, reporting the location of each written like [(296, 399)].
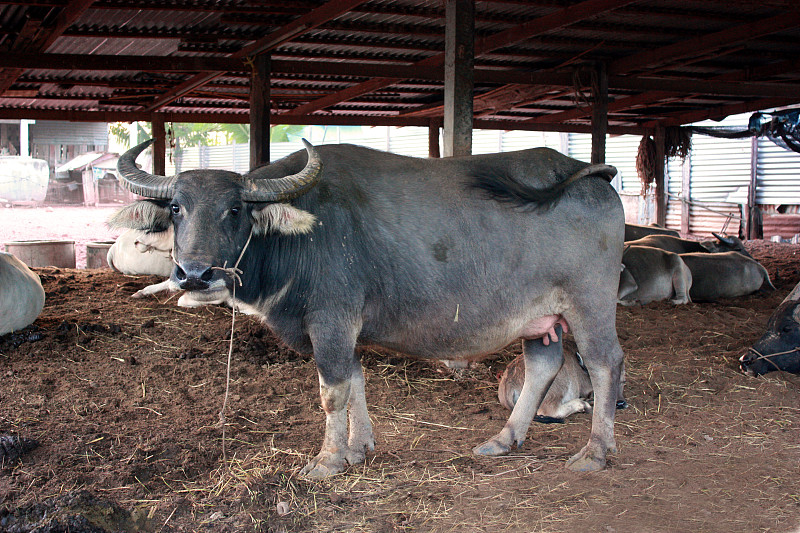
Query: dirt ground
[(123, 397)]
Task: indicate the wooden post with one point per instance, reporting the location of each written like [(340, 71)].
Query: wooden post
[(433, 138), (159, 146), (599, 114), (259, 110), (686, 194), (754, 227), (458, 76), (661, 197)]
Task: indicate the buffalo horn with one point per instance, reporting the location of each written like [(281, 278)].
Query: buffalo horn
[(140, 182), (258, 188), (722, 238)]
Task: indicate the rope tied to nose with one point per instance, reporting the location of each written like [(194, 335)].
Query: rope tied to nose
[(236, 275), (768, 357)]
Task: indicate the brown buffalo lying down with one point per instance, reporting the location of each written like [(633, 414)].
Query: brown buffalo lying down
[(569, 393)]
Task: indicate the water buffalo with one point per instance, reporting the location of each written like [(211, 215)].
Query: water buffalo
[(21, 294), (725, 275), (569, 393), (779, 347), (636, 231), (651, 274), (675, 245), (448, 258), (137, 252)]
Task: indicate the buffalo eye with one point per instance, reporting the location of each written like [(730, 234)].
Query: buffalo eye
[(176, 209), (787, 328), (235, 211)]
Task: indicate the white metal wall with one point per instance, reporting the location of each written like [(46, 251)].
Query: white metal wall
[(778, 174), (720, 168)]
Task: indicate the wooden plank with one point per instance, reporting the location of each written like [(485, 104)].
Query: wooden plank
[(661, 197), (159, 146), (458, 77), (320, 15), (259, 111), (599, 114)]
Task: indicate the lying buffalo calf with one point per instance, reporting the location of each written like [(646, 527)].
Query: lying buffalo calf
[(569, 393), (636, 231), (450, 258), (651, 274), (21, 294), (779, 347), (725, 275)]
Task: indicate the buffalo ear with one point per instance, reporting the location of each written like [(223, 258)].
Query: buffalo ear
[(282, 218), (145, 215)]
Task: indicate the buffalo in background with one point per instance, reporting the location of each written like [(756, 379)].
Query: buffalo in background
[(779, 347), (21, 294)]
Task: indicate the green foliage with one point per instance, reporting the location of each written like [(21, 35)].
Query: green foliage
[(187, 135)]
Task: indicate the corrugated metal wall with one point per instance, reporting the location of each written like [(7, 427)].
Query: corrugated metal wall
[(719, 168), (94, 134), (778, 174)]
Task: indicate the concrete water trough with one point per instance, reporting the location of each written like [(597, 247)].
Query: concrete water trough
[(42, 253)]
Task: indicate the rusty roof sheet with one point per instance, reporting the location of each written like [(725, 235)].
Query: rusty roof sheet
[(669, 61)]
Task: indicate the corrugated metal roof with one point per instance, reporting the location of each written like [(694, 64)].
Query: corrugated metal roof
[(712, 48)]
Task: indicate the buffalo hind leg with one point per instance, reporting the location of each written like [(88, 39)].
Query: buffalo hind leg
[(341, 382), (598, 344), (542, 363)]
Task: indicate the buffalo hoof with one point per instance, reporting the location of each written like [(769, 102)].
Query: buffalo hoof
[(492, 448), (587, 460), (327, 464)]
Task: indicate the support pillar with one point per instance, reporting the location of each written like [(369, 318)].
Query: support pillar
[(433, 138), (599, 114), (458, 76), (661, 159), (159, 146), (686, 194), (259, 110), (754, 224)]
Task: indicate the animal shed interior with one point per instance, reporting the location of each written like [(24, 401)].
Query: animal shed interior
[(123, 398)]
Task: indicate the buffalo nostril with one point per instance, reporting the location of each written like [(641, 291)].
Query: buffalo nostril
[(179, 273), (207, 275)]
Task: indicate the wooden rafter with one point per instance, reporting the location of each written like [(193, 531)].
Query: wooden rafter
[(318, 16), (44, 37), (675, 52), (524, 31)]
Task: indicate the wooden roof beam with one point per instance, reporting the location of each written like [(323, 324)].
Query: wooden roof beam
[(720, 112), (318, 16), (559, 19), (647, 98), (704, 44), (46, 36)]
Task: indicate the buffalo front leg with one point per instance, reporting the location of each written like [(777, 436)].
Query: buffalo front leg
[(542, 363), (341, 382)]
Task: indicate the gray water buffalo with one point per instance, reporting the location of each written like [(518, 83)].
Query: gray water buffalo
[(137, 252), (636, 231), (676, 245), (569, 393), (779, 347), (725, 275), (448, 258), (21, 294), (651, 274)]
